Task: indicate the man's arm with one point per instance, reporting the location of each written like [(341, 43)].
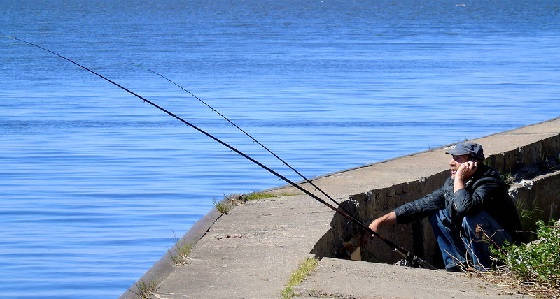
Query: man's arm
[(389, 218), (465, 201), (412, 210), (486, 190)]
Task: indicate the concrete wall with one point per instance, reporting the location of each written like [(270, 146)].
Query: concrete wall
[(538, 197)]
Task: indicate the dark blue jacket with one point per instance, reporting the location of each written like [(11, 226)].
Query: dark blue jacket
[(485, 190)]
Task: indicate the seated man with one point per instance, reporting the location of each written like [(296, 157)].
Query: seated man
[(470, 207)]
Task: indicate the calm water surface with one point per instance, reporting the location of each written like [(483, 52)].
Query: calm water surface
[(96, 186)]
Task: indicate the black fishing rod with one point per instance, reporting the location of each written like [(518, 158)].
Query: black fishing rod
[(248, 135), (414, 260)]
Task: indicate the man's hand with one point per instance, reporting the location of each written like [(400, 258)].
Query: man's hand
[(389, 218), (464, 172)]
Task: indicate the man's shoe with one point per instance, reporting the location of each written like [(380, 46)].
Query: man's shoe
[(456, 268)]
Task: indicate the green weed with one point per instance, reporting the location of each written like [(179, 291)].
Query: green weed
[(508, 178), (530, 217), (146, 290), (181, 254), (261, 195), (299, 275), (223, 206), (535, 262)]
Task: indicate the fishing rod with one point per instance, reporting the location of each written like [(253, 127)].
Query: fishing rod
[(409, 256), (248, 135)]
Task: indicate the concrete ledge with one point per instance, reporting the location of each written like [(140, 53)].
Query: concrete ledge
[(251, 252), (160, 270), (538, 198)]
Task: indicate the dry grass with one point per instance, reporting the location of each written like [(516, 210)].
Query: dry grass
[(503, 277), (146, 290), (532, 268), (181, 254)]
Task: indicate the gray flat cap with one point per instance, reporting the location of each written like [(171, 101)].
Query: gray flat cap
[(467, 148)]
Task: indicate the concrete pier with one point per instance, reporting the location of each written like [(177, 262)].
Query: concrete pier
[(251, 251)]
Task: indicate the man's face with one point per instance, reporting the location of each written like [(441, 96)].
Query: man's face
[(455, 162)]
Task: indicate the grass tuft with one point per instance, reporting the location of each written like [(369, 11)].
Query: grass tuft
[(146, 290), (299, 275), (530, 217), (223, 206), (181, 254), (261, 195), (508, 178), (257, 196), (229, 201)]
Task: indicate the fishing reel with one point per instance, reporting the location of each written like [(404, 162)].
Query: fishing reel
[(412, 261)]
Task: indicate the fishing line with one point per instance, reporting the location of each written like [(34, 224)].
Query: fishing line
[(248, 135), (405, 253)]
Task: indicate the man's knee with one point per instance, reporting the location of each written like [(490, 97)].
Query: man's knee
[(482, 226)]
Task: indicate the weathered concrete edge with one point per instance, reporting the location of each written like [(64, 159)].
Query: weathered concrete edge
[(540, 193), (162, 268), (279, 188)]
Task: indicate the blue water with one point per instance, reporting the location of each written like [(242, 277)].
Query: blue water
[(96, 185)]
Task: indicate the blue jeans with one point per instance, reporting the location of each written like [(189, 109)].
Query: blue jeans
[(457, 244)]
